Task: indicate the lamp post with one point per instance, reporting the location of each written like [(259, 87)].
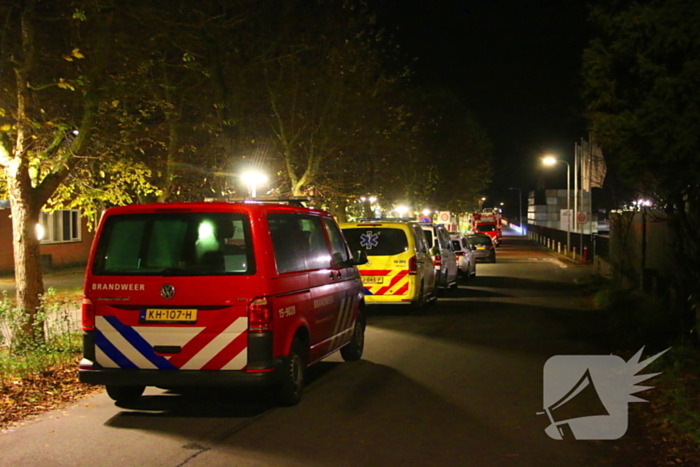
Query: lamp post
[(401, 210), (253, 179), (520, 209), (481, 203), (367, 206), (551, 160)]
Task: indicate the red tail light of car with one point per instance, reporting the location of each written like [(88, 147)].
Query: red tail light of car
[(437, 260), (260, 315), (88, 312), (413, 266)]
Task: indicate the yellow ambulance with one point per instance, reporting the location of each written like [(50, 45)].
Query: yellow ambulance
[(400, 269)]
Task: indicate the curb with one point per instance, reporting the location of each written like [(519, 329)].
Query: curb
[(545, 243)]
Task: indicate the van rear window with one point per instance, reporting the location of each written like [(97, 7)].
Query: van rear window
[(479, 240), (175, 244), (377, 241)]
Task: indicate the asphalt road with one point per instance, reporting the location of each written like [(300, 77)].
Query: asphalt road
[(459, 385)]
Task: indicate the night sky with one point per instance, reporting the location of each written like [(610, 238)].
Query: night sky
[(517, 62)]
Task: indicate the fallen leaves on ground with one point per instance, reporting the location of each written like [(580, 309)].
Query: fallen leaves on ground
[(671, 419), (54, 389)]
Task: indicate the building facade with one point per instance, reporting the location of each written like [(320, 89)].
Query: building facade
[(65, 240), (548, 208)]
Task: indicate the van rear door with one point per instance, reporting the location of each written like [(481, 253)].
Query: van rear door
[(169, 290), (387, 272)]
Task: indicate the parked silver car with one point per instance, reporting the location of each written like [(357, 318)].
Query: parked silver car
[(466, 260), (443, 253), (482, 246)]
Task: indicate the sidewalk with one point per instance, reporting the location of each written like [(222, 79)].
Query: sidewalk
[(63, 280), (572, 257)]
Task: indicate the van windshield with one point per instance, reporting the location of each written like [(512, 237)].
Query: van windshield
[(175, 244), (377, 241)]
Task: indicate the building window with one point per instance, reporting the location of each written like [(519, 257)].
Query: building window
[(60, 226)]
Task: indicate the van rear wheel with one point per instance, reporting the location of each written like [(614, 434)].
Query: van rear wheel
[(419, 303), (125, 394), (353, 351), (294, 372)]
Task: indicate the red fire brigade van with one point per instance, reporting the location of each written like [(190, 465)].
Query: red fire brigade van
[(211, 294), (488, 222), (491, 229)]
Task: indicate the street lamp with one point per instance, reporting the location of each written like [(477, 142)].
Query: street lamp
[(368, 206), (481, 203), (401, 210), (551, 160), (520, 208), (253, 179)]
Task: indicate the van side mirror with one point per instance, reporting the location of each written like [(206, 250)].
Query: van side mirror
[(360, 258), (435, 251)]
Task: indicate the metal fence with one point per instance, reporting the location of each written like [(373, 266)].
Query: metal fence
[(585, 245)]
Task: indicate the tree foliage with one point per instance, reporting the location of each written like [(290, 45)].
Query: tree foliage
[(55, 75), (105, 102), (642, 88), (458, 147), (323, 77)]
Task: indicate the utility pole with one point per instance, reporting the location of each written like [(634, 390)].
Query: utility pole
[(576, 200), (520, 211)]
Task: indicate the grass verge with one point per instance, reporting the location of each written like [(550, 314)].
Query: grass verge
[(672, 418), (38, 368)]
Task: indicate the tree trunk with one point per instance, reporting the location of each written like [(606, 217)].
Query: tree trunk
[(23, 205), (172, 120), (28, 275), (170, 161)]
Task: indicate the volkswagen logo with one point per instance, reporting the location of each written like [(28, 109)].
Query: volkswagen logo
[(167, 291)]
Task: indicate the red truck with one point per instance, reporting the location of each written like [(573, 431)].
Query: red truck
[(489, 223)]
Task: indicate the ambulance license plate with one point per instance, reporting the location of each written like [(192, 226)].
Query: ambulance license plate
[(480, 247), (160, 315), (372, 280)]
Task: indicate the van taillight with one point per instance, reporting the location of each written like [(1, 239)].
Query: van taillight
[(259, 315), (88, 310), (459, 253), (437, 260), (413, 266)]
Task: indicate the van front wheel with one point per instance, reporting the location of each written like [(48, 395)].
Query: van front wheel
[(125, 394), (294, 372)]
